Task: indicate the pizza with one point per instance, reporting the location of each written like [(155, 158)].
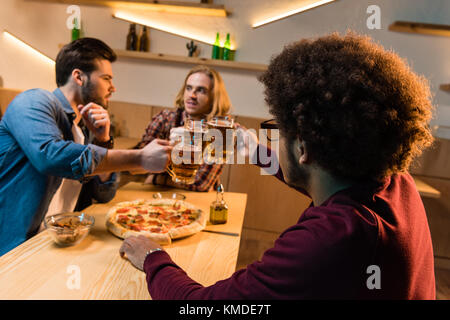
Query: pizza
[(160, 220)]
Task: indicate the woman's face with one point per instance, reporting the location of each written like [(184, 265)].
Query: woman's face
[(197, 95)]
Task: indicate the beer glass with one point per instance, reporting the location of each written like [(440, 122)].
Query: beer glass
[(221, 127), (197, 130), (187, 154)]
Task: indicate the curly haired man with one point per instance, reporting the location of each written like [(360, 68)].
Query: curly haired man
[(352, 116)]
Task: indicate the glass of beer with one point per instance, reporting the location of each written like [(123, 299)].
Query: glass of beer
[(187, 154), (197, 130), (185, 162), (222, 127)]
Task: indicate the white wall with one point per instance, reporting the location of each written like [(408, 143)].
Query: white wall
[(43, 26)]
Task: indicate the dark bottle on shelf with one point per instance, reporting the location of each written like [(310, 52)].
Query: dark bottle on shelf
[(132, 39), (227, 48), (144, 40)]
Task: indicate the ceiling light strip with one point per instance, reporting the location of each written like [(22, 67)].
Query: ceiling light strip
[(291, 13)]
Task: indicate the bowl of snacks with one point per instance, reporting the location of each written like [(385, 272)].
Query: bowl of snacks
[(68, 229)]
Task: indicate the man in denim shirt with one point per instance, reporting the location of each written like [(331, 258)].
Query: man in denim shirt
[(44, 150)]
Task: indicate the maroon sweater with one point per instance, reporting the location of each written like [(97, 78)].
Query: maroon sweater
[(326, 255)]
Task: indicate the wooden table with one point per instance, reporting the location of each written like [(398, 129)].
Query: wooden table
[(93, 269)]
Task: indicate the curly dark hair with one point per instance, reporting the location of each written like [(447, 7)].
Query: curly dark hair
[(361, 111)]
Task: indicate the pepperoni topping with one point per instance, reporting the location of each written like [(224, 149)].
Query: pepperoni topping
[(135, 227), (122, 219), (165, 215), (154, 214)]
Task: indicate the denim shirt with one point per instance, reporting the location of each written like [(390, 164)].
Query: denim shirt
[(36, 152)]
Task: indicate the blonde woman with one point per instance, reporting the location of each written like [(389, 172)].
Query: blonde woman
[(202, 96)]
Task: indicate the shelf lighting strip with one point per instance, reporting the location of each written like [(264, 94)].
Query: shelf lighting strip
[(22, 44), (291, 13), (146, 22), (157, 26)]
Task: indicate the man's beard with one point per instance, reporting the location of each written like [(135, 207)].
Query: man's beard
[(88, 95)]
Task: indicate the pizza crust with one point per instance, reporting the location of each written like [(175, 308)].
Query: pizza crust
[(162, 238), (185, 231)]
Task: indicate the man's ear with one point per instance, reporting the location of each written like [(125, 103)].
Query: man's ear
[(302, 152), (78, 76)]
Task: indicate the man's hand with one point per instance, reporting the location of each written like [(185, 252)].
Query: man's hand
[(177, 135), (96, 119), (156, 155), (136, 248)]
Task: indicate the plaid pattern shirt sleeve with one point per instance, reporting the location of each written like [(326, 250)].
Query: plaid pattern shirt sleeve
[(159, 128)]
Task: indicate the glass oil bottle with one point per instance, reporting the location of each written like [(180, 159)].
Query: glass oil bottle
[(218, 213)]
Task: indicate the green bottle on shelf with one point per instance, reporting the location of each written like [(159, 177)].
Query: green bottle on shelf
[(75, 30), (227, 48), (216, 48)]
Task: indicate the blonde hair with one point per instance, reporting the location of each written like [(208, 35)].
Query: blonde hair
[(221, 104)]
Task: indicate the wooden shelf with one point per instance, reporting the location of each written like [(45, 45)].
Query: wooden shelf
[(203, 9), (445, 87), (246, 66), (421, 28), (190, 60)]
